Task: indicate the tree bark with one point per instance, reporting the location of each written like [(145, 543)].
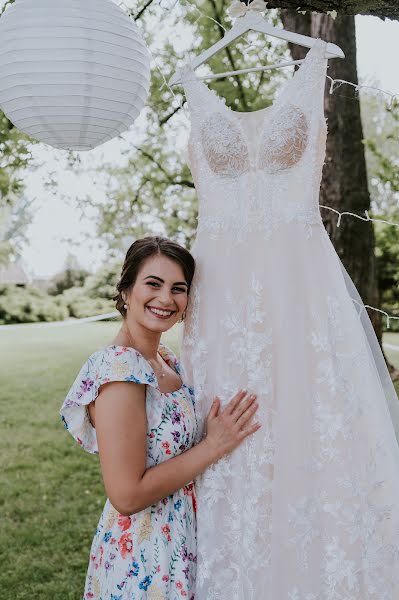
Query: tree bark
[(379, 8), (344, 183)]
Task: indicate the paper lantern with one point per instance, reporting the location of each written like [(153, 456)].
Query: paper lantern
[(73, 73)]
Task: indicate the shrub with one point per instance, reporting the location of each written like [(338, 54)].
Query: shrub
[(80, 304), (73, 275), (89, 296), (29, 305), (102, 284)]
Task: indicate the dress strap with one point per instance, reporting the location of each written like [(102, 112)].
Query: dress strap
[(198, 94), (307, 85), (315, 63)]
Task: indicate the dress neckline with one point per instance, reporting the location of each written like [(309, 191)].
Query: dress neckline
[(166, 356), (238, 118)]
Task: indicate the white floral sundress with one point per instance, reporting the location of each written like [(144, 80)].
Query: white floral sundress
[(152, 554)]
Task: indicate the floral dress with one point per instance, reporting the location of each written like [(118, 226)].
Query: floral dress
[(151, 554)]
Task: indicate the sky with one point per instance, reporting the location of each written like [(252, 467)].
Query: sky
[(58, 229)]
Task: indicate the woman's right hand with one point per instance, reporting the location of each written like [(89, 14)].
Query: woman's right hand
[(227, 428)]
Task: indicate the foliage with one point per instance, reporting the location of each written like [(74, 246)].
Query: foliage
[(94, 294), (29, 305), (102, 284), (73, 275), (79, 304), (15, 209), (381, 130), (381, 126), (32, 305), (387, 253), (15, 216), (73, 293)]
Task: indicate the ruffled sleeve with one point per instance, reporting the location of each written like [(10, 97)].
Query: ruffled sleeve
[(114, 363)]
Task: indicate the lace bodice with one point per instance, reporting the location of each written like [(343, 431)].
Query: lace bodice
[(282, 143), (254, 170)]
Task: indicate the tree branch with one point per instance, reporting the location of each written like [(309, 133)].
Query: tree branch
[(154, 160), (142, 10), (169, 179), (260, 81), (379, 8), (169, 116), (218, 17), (184, 183)]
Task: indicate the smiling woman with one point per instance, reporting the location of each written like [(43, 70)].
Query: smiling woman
[(131, 405)]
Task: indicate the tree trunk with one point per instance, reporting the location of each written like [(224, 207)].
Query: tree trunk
[(344, 183)]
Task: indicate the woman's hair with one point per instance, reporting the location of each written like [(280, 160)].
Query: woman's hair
[(145, 248)]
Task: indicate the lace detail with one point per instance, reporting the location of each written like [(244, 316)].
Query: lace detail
[(244, 324), (246, 327), (284, 142), (246, 225), (224, 146), (195, 347)]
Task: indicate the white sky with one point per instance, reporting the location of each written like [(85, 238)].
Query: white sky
[(55, 219)]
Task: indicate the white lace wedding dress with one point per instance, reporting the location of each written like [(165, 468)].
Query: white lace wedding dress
[(307, 508)]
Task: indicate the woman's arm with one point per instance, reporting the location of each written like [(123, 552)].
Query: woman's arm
[(121, 427)]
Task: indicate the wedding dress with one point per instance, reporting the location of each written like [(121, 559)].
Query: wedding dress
[(308, 507)]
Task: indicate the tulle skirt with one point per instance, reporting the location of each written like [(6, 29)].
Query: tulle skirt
[(308, 507)]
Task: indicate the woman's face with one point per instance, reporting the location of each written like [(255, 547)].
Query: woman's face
[(159, 296)]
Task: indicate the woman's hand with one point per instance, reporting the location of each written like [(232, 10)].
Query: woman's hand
[(227, 428), (121, 428)]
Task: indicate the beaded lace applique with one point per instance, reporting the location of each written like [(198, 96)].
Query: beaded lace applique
[(224, 146), (284, 142)]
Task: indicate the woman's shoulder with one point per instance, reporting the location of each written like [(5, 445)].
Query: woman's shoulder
[(109, 364), (123, 363)]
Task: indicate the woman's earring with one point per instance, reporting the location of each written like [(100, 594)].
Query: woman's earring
[(125, 306), (183, 316)]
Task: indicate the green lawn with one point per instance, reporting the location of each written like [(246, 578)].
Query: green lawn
[(51, 492)]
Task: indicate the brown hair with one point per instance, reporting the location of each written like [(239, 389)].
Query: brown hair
[(138, 253)]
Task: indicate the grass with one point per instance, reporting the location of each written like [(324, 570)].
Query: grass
[(51, 492)]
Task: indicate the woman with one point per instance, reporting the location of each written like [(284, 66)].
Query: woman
[(131, 405)]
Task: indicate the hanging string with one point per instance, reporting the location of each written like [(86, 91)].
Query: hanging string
[(375, 220), (337, 83), (379, 310), (365, 218)]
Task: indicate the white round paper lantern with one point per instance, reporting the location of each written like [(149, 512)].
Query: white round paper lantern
[(73, 73)]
